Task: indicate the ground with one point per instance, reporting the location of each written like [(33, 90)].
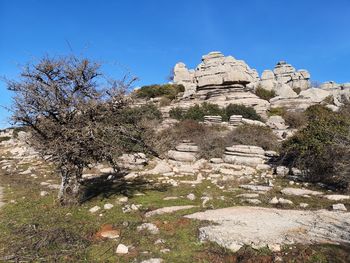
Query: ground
[(36, 228)]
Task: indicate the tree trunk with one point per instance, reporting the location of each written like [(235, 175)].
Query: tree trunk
[(71, 191)]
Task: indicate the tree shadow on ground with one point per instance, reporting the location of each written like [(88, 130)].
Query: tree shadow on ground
[(107, 185)]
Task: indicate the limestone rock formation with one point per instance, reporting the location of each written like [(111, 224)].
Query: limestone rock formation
[(220, 80), (244, 155), (184, 152)]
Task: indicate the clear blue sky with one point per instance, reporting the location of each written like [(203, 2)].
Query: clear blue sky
[(147, 37)]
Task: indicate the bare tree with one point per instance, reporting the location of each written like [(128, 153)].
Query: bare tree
[(76, 117)]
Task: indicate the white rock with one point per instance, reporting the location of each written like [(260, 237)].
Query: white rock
[(303, 205), (108, 206), (339, 207), (166, 210), (122, 249), (153, 260), (151, 228), (337, 197), (191, 197), (299, 192), (94, 209), (43, 193)]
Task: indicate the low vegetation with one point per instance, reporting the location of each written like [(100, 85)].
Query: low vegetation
[(212, 140), (198, 112), (264, 93), (169, 91)]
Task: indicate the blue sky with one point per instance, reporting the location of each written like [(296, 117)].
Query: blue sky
[(147, 37)]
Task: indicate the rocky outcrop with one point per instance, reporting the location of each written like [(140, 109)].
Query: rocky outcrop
[(220, 80)]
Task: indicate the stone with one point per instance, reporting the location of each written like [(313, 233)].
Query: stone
[(339, 207), (111, 234), (216, 160), (166, 210), (282, 171), (123, 199), (276, 122), (244, 155), (212, 119), (303, 205), (43, 193), (258, 188), (151, 228), (274, 201), (133, 161), (234, 227), (122, 249), (191, 197), (182, 156), (108, 206), (94, 209), (299, 192), (153, 260), (162, 167), (337, 197)]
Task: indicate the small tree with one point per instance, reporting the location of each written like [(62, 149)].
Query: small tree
[(75, 117)]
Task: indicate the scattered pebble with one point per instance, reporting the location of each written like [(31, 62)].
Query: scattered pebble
[(43, 193)]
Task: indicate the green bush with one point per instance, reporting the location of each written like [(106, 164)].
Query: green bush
[(198, 112), (322, 147), (265, 94), (277, 111), (6, 138), (297, 90), (169, 91), (238, 109)]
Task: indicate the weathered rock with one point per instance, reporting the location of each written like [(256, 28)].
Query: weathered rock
[(133, 161), (276, 122), (151, 228), (122, 249), (166, 210), (339, 207), (258, 188), (337, 197), (261, 227), (244, 155), (153, 260), (185, 152), (299, 192)]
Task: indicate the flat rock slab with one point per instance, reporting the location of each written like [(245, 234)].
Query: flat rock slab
[(258, 188), (299, 191), (261, 227), (169, 209), (337, 197)]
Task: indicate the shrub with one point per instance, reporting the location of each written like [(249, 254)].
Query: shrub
[(321, 149), (265, 94), (297, 90), (294, 119), (238, 109), (254, 135), (5, 138), (169, 91), (196, 112)]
